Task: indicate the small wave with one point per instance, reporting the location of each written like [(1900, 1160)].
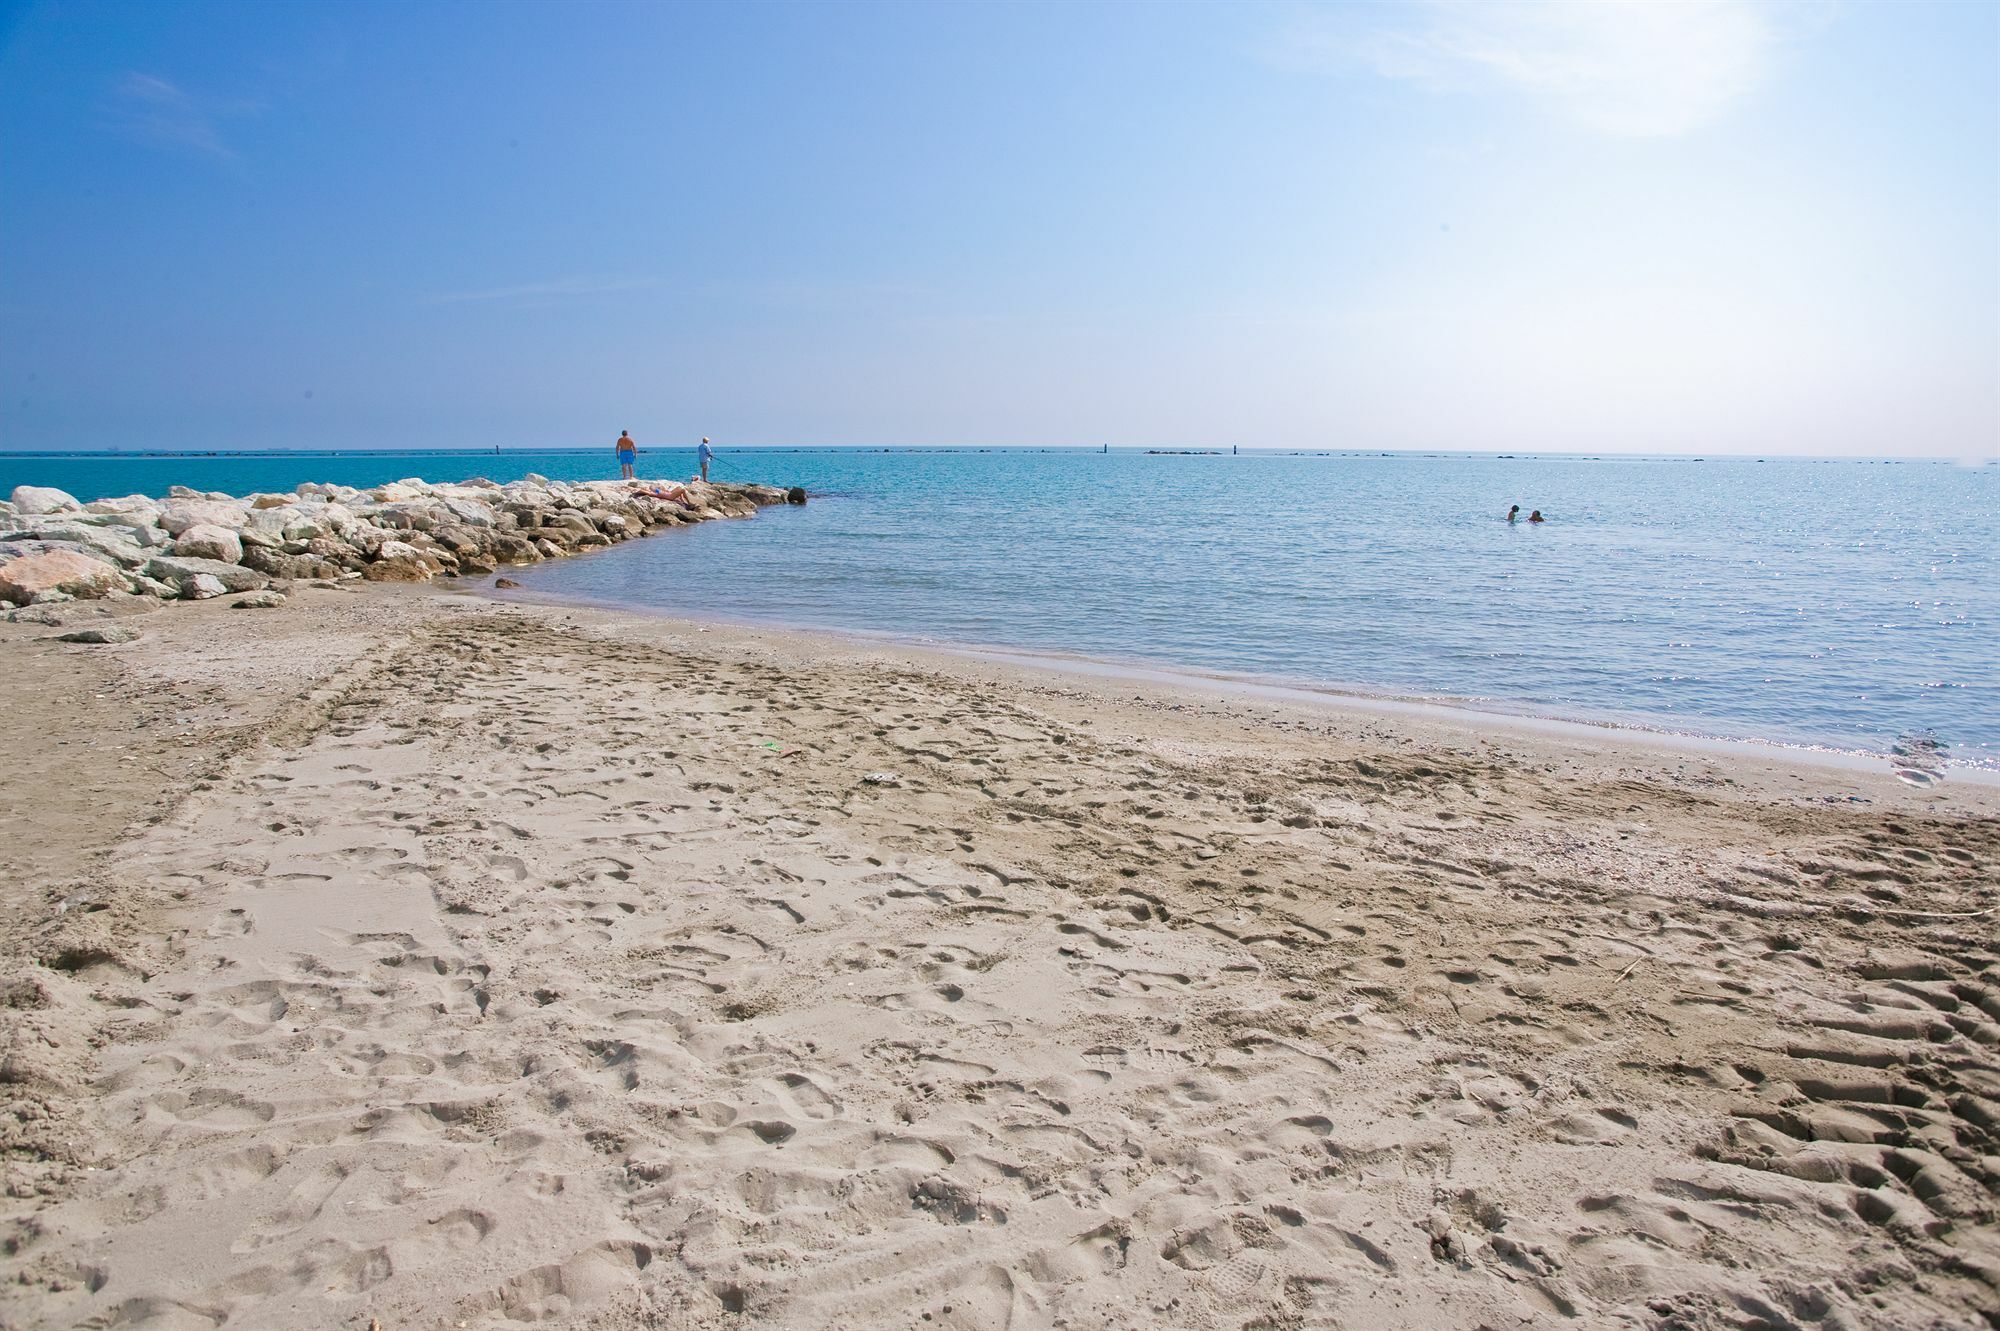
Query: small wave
[(1917, 758)]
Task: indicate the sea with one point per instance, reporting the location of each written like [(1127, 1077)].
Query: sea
[(1832, 604)]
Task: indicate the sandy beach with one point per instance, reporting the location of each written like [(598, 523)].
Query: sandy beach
[(409, 958)]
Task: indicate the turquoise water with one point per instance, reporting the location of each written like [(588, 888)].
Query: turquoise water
[(1843, 604)]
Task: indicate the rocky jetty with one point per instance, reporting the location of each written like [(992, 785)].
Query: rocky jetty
[(193, 545)]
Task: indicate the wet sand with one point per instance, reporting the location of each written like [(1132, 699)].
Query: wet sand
[(405, 956)]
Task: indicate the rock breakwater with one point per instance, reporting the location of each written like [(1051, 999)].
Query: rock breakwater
[(193, 545)]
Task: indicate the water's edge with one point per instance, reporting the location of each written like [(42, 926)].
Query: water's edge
[(1810, 606), (1244, 686)]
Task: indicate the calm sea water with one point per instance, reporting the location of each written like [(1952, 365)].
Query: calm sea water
[(1843, 604)]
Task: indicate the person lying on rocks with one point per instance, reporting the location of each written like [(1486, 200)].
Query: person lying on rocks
[(672, 493)]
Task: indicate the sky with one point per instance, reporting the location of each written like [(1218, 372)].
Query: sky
[(1696, 227)]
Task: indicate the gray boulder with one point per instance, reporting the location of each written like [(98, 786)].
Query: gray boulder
[(290, 565), (35, 545), (515, 549), (335, 551), (137, 528), (178, 569), (258, 601), (144, 535), (203, 587), (113, 543)]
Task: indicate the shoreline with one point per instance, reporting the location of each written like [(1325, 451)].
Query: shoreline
[(435, 958), (1473, 711), (313, 534)]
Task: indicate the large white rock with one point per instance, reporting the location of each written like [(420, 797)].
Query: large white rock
[(138, 507), (304, 525), (147, 535), (126, 526), (35, 500), (114, 543), (177, 515), (69, 572), (205, 540), (472, 512), (203, 587)]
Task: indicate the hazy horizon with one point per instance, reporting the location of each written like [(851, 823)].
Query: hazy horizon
[(1699, 229), (1246, 450)]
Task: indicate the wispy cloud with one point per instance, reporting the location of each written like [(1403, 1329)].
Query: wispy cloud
[(838, 296), (1627, 67), (562, 288), (152, 110)]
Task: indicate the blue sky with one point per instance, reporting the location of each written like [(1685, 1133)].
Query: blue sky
[(1696, 227)]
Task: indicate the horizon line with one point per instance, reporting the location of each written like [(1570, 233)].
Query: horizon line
[(1211, 450)]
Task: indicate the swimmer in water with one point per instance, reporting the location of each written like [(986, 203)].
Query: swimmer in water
[(1536, 516), (1513, 513)]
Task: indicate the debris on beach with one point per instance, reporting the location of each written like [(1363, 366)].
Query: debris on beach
[(194, 545)]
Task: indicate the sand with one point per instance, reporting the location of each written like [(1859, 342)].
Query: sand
[(411, 958)]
